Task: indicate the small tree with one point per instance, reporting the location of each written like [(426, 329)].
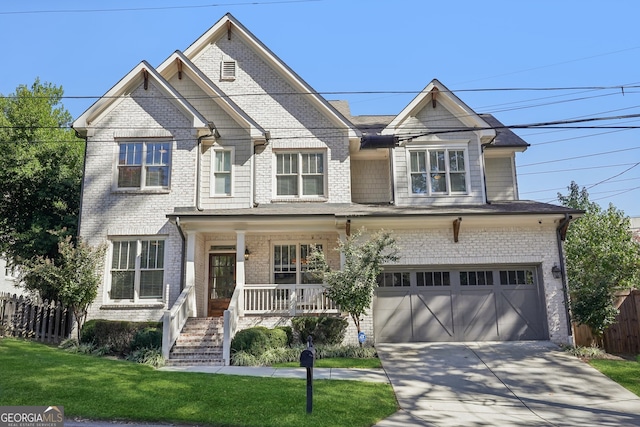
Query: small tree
[(602, 258), (74, 276), (352, 287)]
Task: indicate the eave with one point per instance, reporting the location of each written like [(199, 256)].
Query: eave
[(143, 73)]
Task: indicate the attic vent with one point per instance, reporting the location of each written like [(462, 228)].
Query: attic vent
[(228, 70)]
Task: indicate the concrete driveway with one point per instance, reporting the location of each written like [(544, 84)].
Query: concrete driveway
[(529, 383)]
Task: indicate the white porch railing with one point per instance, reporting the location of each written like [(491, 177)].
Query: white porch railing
[(230, 317), (175, 318), (287, 300)]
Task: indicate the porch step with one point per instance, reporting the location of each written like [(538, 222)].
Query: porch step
[(199, 343)]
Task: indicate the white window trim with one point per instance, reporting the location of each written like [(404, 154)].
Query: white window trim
[(297, 243), (212, 181), (142, 187), (300, 196), (453, 146), (137, 301)]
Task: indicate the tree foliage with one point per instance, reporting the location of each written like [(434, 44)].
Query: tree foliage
[(352, 286), (40, 172), (74, 276), (602, 258)]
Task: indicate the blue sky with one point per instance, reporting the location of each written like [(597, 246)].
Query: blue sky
[(396, 47)]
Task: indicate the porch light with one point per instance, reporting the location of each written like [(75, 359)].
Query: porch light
[(555, 270), (246, 253)]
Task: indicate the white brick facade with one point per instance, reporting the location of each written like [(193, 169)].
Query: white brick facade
[(275, 100)]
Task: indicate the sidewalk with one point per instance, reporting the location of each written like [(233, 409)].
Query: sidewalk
[(373, 375)]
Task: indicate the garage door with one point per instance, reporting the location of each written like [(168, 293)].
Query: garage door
[(475, 304)]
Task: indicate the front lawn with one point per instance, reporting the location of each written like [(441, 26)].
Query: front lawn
[(97, 388), (624, 372)]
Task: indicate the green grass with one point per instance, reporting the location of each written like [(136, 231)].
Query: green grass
[(103, 389), (624, 372), (338, 362)]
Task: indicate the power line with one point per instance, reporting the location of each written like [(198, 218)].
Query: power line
[(579, 157), (140, 9)]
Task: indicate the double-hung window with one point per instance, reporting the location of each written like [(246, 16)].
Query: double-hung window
[(290, 264), (222, 172), (300, 174), (438, 171), (144, 164), (137, 270)]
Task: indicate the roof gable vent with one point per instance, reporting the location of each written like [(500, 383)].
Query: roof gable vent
[(228, 70)]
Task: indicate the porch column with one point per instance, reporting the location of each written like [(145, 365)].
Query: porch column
[(190, 270), (343, 238), (240, 272)]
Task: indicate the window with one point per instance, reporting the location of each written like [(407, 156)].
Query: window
[(516, 277), (433, 278), (222, 161), (395, 279), (137, 270), (144, 164), (290, 264), (438, 171), (300, 174), (476, 278)]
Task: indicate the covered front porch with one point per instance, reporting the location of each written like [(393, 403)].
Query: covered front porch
[(236, 269)]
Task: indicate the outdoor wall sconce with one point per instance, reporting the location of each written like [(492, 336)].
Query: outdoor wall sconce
[(555, 270), (246, 253)]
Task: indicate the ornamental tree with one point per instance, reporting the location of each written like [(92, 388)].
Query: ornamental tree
[(74, 276), (602, 258), (351, 288)]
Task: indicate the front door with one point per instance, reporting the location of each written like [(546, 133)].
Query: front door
[(222, 282)]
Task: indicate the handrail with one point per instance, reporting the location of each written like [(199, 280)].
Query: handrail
[(230, 317), (287, 299), (175, 318)]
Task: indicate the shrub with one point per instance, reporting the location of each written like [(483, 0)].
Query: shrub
[(115, 337), (323, 330), (151, 356), (289, 331), (147, 338), (252, 341), (276, 338)]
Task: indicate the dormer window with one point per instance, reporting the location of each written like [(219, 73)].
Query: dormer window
[(228, 70), (438, 171)]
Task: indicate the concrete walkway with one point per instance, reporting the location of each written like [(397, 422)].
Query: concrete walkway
[(374, 375), (501, 384)]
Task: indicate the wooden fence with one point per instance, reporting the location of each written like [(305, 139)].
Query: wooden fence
[(26, 317), (623, 337)]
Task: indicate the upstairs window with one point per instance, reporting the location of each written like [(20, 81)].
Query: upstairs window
[(144, 165), (438, 171), (300, 174), (222, 176)]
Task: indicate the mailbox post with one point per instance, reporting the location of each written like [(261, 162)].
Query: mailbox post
[(307, 360)]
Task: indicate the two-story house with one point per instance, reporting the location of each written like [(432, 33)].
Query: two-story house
[(212, 175)]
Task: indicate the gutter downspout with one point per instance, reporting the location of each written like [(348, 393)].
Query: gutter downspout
[(84, 171), (561, 234), (392, 176), (212, 132), (485, 196)]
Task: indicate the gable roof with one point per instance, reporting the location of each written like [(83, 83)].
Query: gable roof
[(128, 83), (452, 103), (230, 25), (170, 66)]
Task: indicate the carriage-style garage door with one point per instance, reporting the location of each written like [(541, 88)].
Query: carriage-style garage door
[(475, 304)]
